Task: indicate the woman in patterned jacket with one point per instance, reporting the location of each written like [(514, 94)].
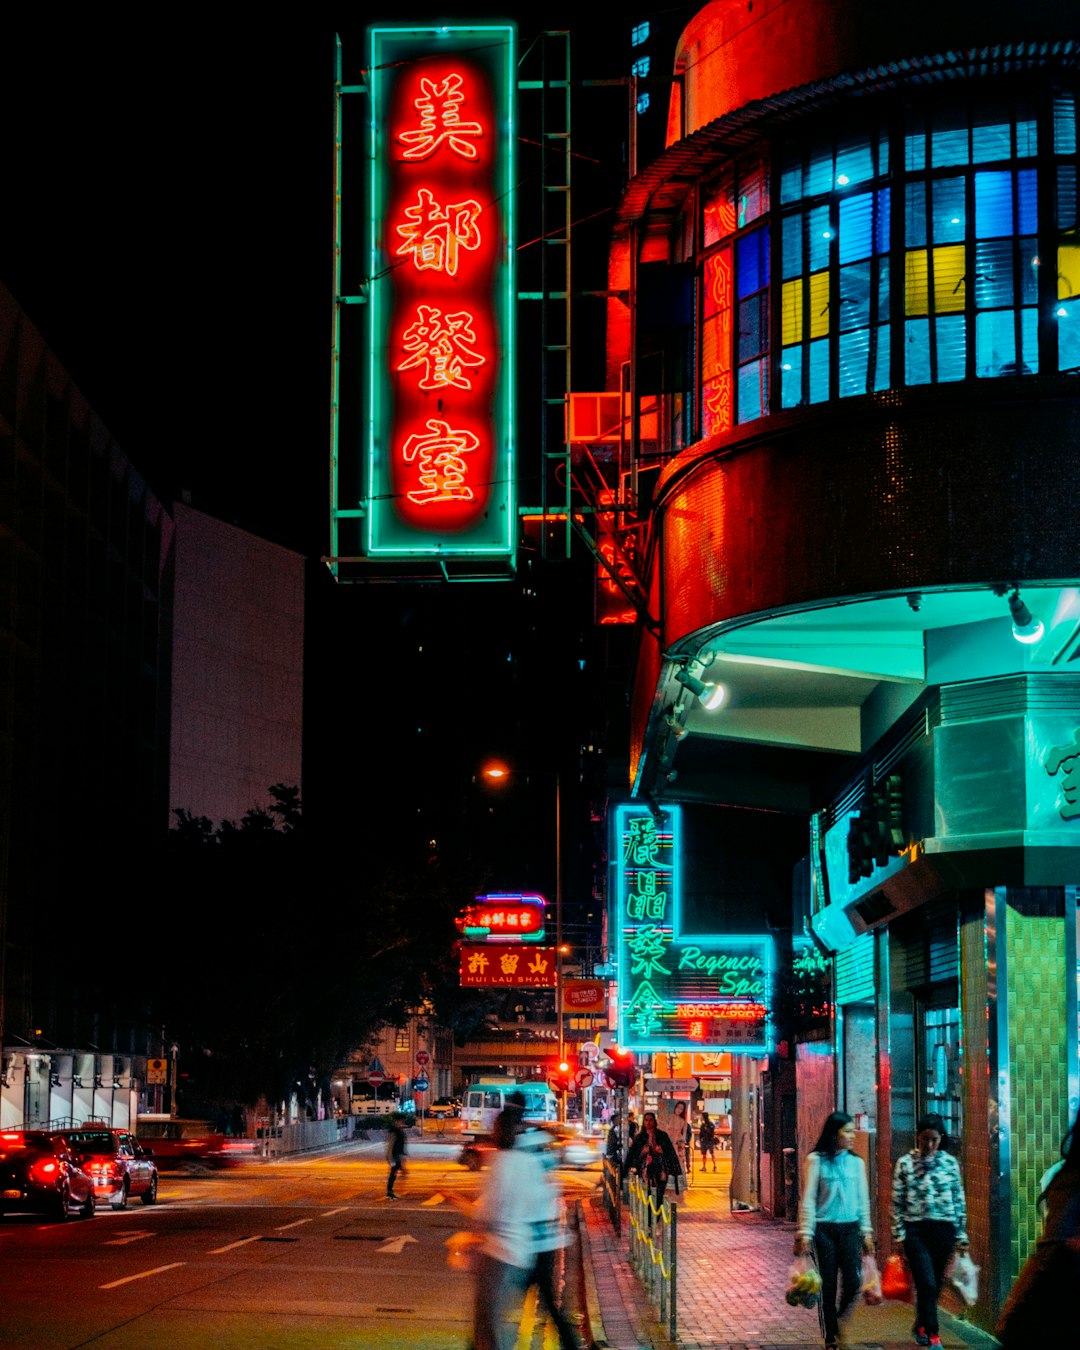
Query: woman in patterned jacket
[(929, 1217)]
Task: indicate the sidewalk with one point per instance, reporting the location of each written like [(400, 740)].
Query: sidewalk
[(731, 1275)]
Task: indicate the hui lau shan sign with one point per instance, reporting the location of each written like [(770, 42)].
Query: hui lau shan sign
[(440, 429), (679, 990)]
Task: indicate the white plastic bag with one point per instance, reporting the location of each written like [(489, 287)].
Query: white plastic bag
[(804, 1283), (871, 1282), (963, 1275)]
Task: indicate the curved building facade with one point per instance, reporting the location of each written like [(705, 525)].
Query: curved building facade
[(851, 288)]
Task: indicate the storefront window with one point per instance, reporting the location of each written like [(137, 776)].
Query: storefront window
[(941, 1067)]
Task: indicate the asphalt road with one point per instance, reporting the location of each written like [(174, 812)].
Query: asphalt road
[(266, 1256)]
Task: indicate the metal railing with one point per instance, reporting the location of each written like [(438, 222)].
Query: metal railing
[(275, 1140), (613, 1194), (654, 1250)]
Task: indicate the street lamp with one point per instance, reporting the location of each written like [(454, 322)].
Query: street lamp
[(498, 773)]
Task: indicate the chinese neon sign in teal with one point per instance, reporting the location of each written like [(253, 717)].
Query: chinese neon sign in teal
[(679, 990), (440, 446)]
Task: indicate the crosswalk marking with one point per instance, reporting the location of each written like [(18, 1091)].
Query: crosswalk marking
[(216, 1251), (142, 1275)]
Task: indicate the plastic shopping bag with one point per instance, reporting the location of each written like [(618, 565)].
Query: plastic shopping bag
[(871, 1282), (804, 1283), (896, 1279), (463, 1250), (963, 1275)]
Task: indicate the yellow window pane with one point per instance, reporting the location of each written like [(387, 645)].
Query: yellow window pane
[(949, 282), (791, 312), (916, 293), (819, 304), (1068, 271)]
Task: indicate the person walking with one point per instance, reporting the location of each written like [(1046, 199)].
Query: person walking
[(706, 1139), (929, 1219), (834, 1219), (513, 1202), (1040, 1309), (395, 1152), (652, 1155)]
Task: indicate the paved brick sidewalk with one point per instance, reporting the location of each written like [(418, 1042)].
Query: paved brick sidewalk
[(732, 1271)]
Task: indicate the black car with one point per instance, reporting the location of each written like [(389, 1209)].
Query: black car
[(38, 1173)]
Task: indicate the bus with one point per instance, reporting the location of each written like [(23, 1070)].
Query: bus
[(486, 1098)]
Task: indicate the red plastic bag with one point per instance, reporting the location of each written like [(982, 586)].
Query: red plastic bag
[(896, 1279)]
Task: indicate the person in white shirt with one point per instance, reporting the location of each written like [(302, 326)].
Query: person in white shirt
[(834, 1219)]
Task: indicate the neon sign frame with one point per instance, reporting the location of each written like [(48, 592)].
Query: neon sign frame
[(664, 968), (439, 433)]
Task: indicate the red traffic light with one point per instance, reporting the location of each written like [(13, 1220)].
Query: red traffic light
[(622, 1069)]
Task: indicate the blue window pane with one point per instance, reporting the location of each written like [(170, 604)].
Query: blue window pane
[(1065, 125), (820, 238), (1029, 271), (883, 154), (951, 348), (883, 287), (752, 263), (791, 175), (819, 371), (1066, 197), (791, 377), (1027, 209), (855, 296), (854, 364), (991, 141), (915, 215), (915, 149), (949, 211), (856, 227), (1068, 322), (854, 161), (993, 204), (640, 67), (917, 351), (994, 274), (642, 102), (881, 221), (639, 34), (820, 176), (753, 327), (881, 371), (791, 248), (751, 403), (949, 139), (1029, 341), (995, 344), (1026, 139)]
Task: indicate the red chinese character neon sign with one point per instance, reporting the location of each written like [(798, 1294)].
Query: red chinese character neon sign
[(439, 106), (440, 463), (442, 346), (435, 235)]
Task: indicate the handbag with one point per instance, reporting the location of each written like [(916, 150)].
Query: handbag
[(871, 1282), (896, 1279)]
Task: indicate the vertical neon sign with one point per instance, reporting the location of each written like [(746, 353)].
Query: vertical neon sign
[(679, 990), (440, 429)]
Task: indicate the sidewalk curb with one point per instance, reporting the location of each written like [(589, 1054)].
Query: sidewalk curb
[(593, 1328)]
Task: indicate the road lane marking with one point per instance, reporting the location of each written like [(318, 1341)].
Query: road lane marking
[(436, 1199), (142, 1275), (295, 1224), (331, 1212), (216, 1251), (395, 1245), (131, 1237)]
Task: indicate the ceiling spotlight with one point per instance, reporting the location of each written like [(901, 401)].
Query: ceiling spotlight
[(1026, 626), (690, 682), (715, 696), (711, 694)]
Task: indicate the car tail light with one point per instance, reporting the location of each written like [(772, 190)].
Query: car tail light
[(46, 1170)]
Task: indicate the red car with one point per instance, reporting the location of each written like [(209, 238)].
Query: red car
[(117, 1163), (174, 1141), (38, 1173)]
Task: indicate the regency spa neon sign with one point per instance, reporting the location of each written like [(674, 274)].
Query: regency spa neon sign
[(679, 990), (440, 443)]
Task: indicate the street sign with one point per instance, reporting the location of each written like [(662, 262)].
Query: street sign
[(589, 1051), (157, 1071), (376, 1077), (423, 1058), (583, 1078), (420, 1084)]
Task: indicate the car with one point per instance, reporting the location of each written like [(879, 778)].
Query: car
[(117, 1163), (446, 1108), (174, 1141), (39, 1174)]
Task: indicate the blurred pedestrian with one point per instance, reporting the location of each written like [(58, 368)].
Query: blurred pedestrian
[(929, 1218), (834, 1219), (652, 1155), (395, 1152), (1040, 1309), (513, 1201), (707, 1141)]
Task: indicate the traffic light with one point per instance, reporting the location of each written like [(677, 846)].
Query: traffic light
[(559, 1076), (622, 1069)]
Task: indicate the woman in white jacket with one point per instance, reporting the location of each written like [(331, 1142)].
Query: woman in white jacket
[(834, 1216)]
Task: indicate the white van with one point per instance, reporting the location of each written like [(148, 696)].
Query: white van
[(486, 1098)]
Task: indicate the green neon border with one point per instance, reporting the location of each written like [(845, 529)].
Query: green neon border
[(378, 479)]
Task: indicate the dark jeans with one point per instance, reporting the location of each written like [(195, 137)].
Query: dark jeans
[(928, 1245), (395, 1168), (544, 1275), (496, 1286), (839, 1253)]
